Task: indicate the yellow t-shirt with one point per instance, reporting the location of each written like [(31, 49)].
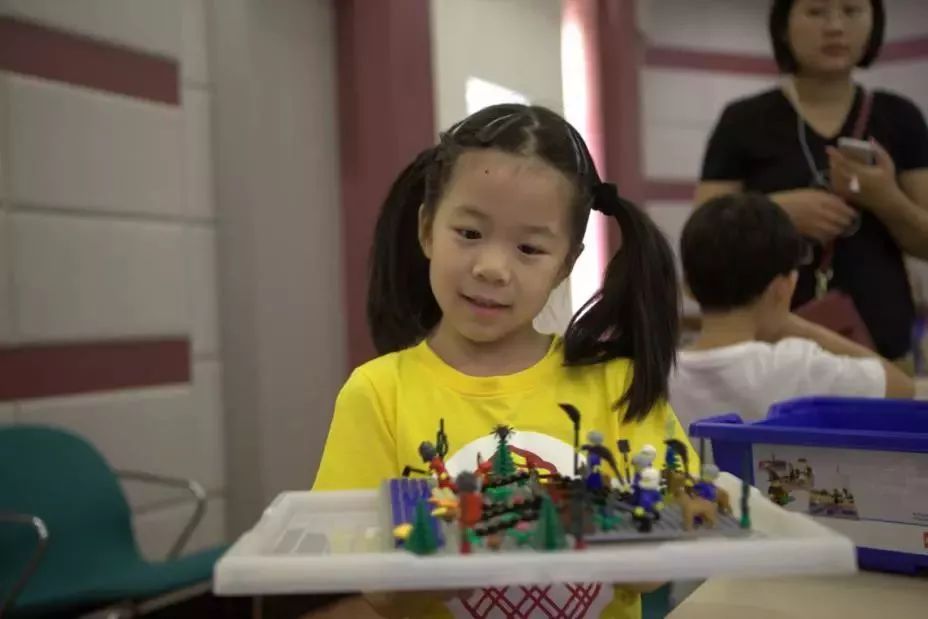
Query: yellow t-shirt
[(393, 403)]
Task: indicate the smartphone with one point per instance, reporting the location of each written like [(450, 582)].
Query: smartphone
[(861, 151)]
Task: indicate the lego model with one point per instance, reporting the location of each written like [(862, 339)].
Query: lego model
[(500, 505)]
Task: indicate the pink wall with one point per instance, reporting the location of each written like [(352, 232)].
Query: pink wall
[(385, 118)]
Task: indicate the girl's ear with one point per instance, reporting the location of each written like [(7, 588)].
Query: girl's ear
[(425, 232), (569, 263)]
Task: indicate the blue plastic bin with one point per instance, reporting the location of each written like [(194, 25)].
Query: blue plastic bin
[(872, 425)]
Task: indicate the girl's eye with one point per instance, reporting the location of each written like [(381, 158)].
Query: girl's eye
[(531, 250), (467, 233)]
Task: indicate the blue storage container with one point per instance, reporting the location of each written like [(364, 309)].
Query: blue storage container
[(859, 465)]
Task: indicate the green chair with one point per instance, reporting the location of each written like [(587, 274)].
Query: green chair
[(66, 530)]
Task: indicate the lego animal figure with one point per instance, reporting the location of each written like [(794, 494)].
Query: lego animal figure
[(695, 510), (705, 488)]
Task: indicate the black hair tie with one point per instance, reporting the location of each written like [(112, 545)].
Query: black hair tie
[(606, 199)]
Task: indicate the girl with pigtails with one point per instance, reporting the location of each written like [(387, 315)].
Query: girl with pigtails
[(472, 238)]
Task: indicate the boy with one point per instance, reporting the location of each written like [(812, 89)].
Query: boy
[(740, 253)]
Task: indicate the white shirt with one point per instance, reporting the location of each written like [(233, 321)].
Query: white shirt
[(748, 378)]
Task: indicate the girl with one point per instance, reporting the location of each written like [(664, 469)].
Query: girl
[(862, 217), (473, 237)]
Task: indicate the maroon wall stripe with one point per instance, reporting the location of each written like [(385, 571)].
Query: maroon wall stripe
[(669, 190), (45, 370), (42, 51), (907, 49), (699, 60), (762, 65), (621, 54), (386, 117)]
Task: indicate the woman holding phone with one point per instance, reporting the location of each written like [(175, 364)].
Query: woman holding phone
[(849, 166)]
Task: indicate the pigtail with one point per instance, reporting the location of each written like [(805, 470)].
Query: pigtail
[(635, 313), (401, 309)]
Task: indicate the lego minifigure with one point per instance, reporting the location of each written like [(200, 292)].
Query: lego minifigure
[(484, 468), (643, 460), (649, 499), (470, 506), (430, 456), (705, 487), (594, 463)]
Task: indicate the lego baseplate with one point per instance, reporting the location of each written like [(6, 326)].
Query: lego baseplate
[(308, 542)]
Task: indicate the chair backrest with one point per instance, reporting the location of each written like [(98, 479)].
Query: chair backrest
[(60, 477)]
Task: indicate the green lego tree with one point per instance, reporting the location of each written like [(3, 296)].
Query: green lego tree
[(503, 464), (422, 539), (549, 533)]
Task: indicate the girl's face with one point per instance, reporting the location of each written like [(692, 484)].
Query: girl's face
[(829, 36), (498, 243)]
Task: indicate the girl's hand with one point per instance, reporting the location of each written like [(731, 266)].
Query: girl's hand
[(876, 183), (816, 213)]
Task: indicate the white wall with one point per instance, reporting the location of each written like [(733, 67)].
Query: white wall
[(108, 227), (280, 257), (515, 44)]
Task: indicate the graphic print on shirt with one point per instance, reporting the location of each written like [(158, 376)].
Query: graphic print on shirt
[(548, 455)]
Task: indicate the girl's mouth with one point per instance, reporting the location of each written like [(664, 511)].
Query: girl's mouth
[(484, 305)]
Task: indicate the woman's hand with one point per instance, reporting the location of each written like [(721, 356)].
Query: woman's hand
[(816, 213), (876, 184)]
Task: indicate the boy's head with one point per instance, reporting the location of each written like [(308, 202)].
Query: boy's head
[(739, 250)]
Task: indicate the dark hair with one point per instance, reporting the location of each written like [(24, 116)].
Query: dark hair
[(778, 25), (733, 246), (633, 315)]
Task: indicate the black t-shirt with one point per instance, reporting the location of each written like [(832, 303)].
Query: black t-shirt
[(756, 142)]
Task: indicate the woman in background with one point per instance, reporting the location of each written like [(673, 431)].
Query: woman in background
[(782, 142)]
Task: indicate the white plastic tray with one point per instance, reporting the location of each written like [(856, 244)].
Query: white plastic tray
[(309, 542)]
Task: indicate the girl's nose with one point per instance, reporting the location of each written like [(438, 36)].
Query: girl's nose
[(492, 266)]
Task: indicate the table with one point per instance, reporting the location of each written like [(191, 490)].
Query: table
[(921, 388), (864, 595)]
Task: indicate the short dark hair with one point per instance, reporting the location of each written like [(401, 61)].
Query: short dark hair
[(633, 315), (778, 25), (733, 246)]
